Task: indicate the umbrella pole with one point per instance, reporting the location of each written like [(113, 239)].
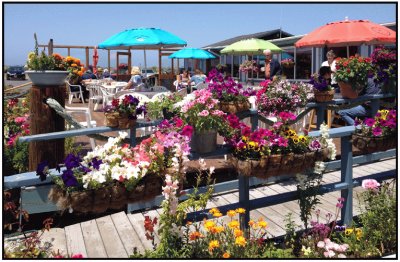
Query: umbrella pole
[(252, 71), (348, 51), (145, 65)]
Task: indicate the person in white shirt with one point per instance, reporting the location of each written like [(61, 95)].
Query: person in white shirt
[(330, 55), (135, 80)]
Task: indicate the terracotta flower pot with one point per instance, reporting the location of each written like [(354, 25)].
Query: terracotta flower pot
[(347, 91)]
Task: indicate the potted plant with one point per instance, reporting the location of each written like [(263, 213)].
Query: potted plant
[(233, 98), (323, 91), (123, 113), (164, 108), (287, 63), (46, 70), (75, 69), (200, 110), (385, 68), (282, 96), (352, 75), (376, 134), (279, 150)]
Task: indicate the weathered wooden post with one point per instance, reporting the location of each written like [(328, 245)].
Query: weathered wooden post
[(44, 119)]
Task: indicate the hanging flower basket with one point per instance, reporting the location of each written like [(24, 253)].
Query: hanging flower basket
[(125, 122), (323, 96), (111, 119), (275, 165), (234, 107), (373, 144)]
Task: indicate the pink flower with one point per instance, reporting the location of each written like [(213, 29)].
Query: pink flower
[(218, 113), (20, 119), (370, 184), (178, 122), (321, 244), (370, 122), (204, 113), (329, 253), (187, 131), (377, 131), (77, 256)]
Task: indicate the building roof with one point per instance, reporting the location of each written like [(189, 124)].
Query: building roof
[(266, 35)]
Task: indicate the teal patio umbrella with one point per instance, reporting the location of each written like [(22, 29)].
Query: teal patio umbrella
[(142, 38), (192, 53)]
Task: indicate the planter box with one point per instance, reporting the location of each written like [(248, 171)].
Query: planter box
[(47, 78)]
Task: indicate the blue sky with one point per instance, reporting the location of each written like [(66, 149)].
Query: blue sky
[(198, 24)]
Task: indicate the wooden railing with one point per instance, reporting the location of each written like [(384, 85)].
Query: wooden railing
[(25, 180)]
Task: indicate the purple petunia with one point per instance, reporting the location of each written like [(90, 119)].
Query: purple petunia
[(69, 178), (42, 169), (315, 145)]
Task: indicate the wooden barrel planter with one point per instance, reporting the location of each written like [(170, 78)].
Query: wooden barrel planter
[(275, 165), (373, 144), (113, 196), (114, 119), (323, 96), (234, 107)]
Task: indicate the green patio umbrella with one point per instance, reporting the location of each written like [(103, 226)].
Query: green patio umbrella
[(252, 46)]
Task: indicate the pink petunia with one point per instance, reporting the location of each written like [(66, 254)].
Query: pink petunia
[(204, 113), (370, 184), (187, 131), (369, 122), (377, 131)]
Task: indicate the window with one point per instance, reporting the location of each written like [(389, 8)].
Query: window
[(303, 63)]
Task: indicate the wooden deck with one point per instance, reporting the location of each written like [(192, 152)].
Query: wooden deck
[(116, 235)]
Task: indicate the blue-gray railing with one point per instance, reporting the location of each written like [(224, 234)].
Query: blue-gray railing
[(243, 183)]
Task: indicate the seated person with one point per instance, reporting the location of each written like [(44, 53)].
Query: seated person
[(88, 75), (136, 79), (106, 74), (364, 110), (198, 77), (183, 79), (325, 72)]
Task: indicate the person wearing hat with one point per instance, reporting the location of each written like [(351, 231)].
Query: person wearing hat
[(89, 74), (272, 66), (135, 80), (106, 74)]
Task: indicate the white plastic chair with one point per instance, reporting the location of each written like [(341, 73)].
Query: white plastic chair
[(142, 98), (88, 123), (159, 88), (95, 94), (107, 96), (74, 91)]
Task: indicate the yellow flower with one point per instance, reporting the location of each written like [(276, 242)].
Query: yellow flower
[(383, 113), (214, 210), (302, 139), (295, 139), (306, 251), (209, 224), (233, 224), (240, 210), (240, 241), (213, 244), (359, 233), (238, 232), (262, 224), (244, 138), (231, 213), (348, 231), (31, 55), (252, 144), (226, 255), (217, 214)]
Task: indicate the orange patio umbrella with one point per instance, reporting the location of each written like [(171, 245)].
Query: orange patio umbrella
[(348, 33), (95, 60)]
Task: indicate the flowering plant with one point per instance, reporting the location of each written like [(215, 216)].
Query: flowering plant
[(384, 63), (199, 110), (226, 89), (283, 96), (288, 62), (155, 109), (43, 62), (74, 67), (248, 66), (320, 83), (278, 140), (383, 124), (354, 70), (129, 106), (123, 66)]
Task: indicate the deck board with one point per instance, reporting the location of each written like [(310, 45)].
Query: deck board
[(116, 235), (111, 239), (93, 241), (75, 241)]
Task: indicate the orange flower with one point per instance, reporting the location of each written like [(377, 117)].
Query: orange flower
[(262, 224), (57, 56), (214, 210), (238, 232), (240, 210), (195, 235), (188, 223), (231, 213), (74, 65), (251, 223), (217, 214), (226, 255)]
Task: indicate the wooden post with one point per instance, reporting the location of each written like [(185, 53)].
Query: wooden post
[(109, 61), (50, 47), (43, 119), (69, 51), (159, 67), (87, 57), (172, 66)]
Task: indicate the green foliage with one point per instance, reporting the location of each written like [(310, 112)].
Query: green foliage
[(71, 147), (308, 190), (155, 108), (378, 219)]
